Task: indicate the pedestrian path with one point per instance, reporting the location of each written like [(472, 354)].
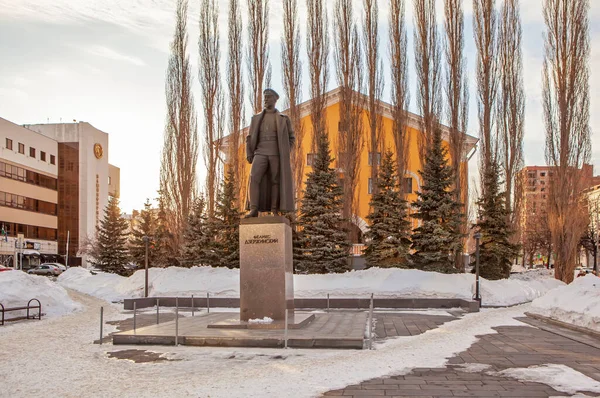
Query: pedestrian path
[(511, 347)]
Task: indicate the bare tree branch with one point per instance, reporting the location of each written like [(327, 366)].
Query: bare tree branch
[(258, 50)]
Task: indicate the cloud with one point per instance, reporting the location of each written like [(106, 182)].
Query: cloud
[(105, 52)]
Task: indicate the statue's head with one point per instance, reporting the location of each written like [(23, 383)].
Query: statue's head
[(270, 98)]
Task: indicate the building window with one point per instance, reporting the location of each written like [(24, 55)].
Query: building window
[(408, 183), (42, 156), (21, 149), (543, 182), (31, 152), (9, 144), (543, 189), (310, 159), (52, 159), (542, 174), (109, 180), (377, 156), (370, 186)]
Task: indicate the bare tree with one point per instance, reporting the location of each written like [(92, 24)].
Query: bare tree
[(427, 65), (258, 50), (399, 79), (348, 62), (178, 181), (212, 97), (317, 47), (484, 29), (457, 91), (511, 103), (292, 76), (374, 84), (566, 103), (235, 85), (457, 97)]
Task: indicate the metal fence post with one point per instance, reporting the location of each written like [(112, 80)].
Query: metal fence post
[(157, 309), (176, 321), (327, 302), (285, 332), (192, 305), (134, 315), (101, 323), (207, 302), (371, 323)]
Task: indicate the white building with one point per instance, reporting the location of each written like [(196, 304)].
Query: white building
[(85, 179), (28, 195)]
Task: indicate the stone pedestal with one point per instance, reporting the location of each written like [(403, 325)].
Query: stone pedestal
[(266, 272)]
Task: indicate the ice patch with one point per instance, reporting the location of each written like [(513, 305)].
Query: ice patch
[(265, 321)]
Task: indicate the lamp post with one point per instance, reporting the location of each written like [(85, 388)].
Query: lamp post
[(477, 237), (146, 239)]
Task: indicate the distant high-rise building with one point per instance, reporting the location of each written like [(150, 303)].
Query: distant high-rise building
[(72, 160)]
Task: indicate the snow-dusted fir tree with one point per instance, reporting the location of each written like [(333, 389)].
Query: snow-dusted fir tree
[(112, 255), (322, 245), (496, 251), (388, 238), (226, 226), (146, 223), (166, 254), (196, 237), (438, 239)]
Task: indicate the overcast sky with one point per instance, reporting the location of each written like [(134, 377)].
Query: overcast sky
[(104, 62)]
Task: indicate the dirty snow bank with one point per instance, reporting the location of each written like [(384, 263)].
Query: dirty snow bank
[(223, 282), (17, 288), (577, 303)]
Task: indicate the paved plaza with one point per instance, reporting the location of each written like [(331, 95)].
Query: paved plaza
[(511, 347)]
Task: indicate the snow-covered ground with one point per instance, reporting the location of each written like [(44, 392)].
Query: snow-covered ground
[(223, 282), (560, 377), (577, 303), (62, 347), (17, 288)]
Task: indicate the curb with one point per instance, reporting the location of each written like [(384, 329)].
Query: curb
[(565, 325)]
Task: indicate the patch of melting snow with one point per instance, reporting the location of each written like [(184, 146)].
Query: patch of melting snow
[(265, 320)]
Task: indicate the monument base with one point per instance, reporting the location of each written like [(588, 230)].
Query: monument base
[(266, 272), (296, 321)]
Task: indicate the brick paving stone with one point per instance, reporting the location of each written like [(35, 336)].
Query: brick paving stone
[(512, 346)]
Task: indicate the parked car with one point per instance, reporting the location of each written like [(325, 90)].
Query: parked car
[(45, 269), (3, 268), (58, 265)]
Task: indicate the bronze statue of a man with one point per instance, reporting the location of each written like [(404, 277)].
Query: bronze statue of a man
[(268, 146)]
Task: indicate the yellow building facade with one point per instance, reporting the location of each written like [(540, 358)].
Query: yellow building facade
[(363, 195)]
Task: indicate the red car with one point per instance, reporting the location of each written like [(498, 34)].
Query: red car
[(3, 268)]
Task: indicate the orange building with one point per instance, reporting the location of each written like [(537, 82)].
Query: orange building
[(412, 178)]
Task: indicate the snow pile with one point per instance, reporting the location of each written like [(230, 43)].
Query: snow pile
[(577, 303), (534, 275), (17, 288), (223, 282), (98, 284), (560, 377), (264, 321)]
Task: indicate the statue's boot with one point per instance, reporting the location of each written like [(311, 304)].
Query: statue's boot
[(253, 213)]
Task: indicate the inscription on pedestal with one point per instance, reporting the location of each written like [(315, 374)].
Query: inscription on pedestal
[(266, 272)]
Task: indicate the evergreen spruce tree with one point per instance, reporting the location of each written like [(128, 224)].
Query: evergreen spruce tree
[(437, 240), (226, 226), (388, 240), (166, 254), (112, 253), (196, 238), (322, 244), (146, 224), (496, 251)]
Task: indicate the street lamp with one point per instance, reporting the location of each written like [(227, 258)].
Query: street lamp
[(146, 239), (477, 237)]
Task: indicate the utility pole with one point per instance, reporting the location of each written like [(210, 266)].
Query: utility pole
[(67, 255), (146, 239)]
